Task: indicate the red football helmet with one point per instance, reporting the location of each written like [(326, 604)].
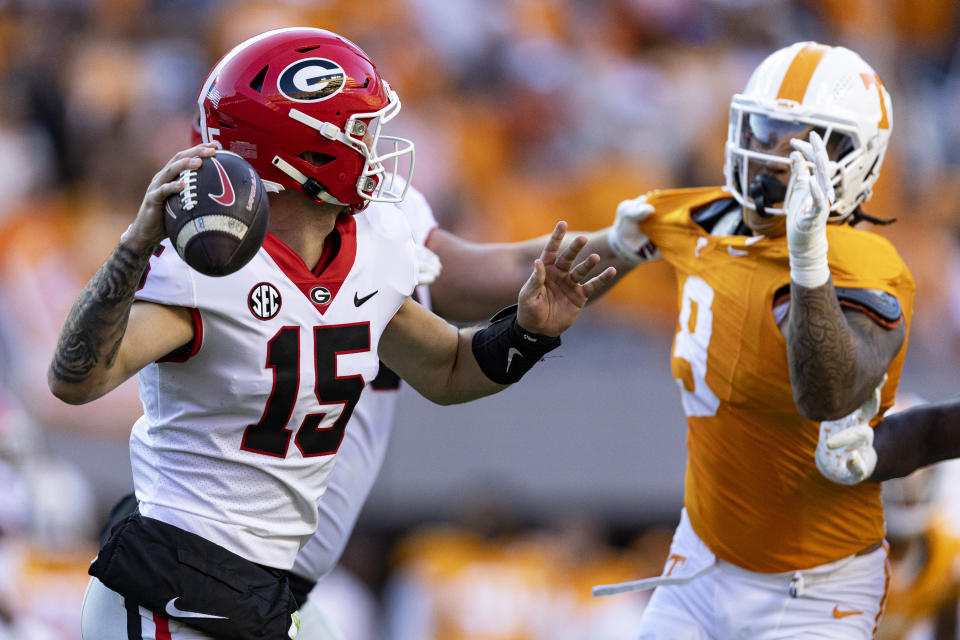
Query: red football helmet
[(305, 106)]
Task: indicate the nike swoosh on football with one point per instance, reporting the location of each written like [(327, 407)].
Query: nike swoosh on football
[(174, 612), (227, 197), (843, 614), (357, 300)]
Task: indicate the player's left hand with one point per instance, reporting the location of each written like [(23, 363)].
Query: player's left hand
[(845, 452), (808, 207), (554, 294)]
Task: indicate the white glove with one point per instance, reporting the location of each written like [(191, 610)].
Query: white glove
[(808, 206), (845, 452), (428, 265), (628, 242)]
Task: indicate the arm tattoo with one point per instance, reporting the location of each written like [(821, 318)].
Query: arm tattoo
[(835, 362), (97, 321)]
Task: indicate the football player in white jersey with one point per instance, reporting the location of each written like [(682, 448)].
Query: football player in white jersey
[(245, 403)]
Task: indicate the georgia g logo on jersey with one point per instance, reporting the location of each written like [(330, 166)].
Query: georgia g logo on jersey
[(311, 80)]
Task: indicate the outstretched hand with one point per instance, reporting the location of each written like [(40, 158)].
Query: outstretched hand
[(554, 294)]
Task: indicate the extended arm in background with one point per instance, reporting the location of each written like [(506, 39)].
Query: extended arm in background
[(106, 338), (478, 278), (915, 438), (439, 361), (494, 272), (837, 356)]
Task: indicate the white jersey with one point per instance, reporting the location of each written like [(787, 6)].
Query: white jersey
[(238, 436), (365, 442)]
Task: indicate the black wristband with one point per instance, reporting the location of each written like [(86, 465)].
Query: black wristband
[(505, 350)]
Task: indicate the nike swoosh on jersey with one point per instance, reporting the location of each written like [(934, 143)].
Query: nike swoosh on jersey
[(843, 614), (357, 300), (174, 612), (513, 351), (737, 252)]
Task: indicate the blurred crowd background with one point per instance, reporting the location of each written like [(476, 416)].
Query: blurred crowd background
[(490, 521)]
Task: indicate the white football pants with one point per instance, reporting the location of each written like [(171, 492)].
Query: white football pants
[(842, 599)]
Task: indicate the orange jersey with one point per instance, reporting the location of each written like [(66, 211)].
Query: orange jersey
[(753, 492), (935, 587)]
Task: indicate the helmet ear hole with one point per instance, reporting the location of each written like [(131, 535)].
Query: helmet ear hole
[(257, 83), (316, 158)]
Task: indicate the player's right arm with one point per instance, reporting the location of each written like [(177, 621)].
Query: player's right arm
[(494, 272), (449, 365), (106, 337)]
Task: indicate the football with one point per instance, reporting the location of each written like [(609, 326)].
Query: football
[(219, 219)]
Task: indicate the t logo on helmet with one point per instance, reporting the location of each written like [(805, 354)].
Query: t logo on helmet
[(873, 80), (311, 80)]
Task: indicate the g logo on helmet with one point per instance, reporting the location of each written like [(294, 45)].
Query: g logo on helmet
[(311, 80)]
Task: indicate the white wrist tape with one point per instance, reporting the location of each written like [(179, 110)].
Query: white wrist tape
[(808, 261)]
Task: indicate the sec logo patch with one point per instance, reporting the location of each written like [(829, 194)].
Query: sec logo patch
[(264, 301)]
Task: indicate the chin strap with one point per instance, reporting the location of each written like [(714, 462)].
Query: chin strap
[(310, 186)]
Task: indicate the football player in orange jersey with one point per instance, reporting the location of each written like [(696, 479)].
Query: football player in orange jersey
[(785, 321)]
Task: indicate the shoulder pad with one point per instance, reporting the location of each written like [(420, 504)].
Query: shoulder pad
[(709, 214), (877, 303)]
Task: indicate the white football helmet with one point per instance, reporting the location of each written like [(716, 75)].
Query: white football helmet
[(802, 88)]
